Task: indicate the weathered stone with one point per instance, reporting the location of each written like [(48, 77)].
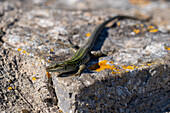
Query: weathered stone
[(134, 77), (116, 94)]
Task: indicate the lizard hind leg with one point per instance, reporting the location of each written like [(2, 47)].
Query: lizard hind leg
[(101, 53), (73, 45), (97, 53), (74, 48)]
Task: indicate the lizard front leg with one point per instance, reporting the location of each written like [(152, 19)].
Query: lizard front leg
[(81, 69)]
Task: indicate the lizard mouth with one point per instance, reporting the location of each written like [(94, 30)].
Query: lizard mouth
[(55, 68), (51, 69)]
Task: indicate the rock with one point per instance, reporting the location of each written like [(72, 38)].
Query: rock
[(133, 77)]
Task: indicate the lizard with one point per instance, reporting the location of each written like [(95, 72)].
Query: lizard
[(82, 56)]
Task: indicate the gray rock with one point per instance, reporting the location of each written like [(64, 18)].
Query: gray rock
[(134, 77)]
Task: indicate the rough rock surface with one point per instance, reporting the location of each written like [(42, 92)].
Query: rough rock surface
[(134, 77)]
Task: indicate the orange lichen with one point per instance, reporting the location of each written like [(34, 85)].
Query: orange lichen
[(19, 49), (88, 34), (167, 48), (141, 25), (27, 53), (113, 72), (136, 31), (153, 30), (149, 64), (150, 27), (118, 72), (128, 67), (140, 66), (52, 50), (140, 2), (127, 71), (95, 98), (24, 51), (42, 52), (48, 74), (33, 78), (118, 23), (103, 66), (9, 88)]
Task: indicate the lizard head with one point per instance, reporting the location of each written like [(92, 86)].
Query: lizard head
[(61, 67)]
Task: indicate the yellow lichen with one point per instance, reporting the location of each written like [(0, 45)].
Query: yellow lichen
[(52, 50), (88, 34), (113, 72), (9, 88), (95, 98), (150, 27), (141, 25), (127, 71), (128, 67), (42, 52), (140, 2), (118, 23), (153, 30), (24, 51), (48, 74), (27, 53), (118, 72), (167, 48), (136, 31), (60, 111), (33, 78), (19, 49), (149, 64), (103, 66)]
